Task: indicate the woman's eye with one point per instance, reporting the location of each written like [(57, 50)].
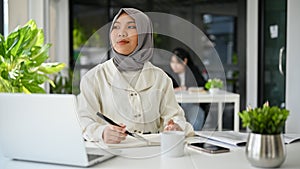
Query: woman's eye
[(116, 27), (131, 27)]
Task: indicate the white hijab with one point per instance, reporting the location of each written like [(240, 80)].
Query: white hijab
[(144, 50)]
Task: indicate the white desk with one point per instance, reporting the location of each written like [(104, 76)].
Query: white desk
[(220, 97), (235, 159)]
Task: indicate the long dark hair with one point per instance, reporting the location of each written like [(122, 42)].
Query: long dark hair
[(183, 54)]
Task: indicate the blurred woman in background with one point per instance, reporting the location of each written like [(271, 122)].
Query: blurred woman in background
[(184, 75)]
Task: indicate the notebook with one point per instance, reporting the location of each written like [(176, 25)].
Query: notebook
[(44, 128), (130, 142)]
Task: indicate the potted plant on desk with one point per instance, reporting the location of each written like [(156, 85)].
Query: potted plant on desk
[(213, 85), (265, 145)]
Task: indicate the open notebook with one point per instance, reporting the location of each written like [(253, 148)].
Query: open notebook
[(131, 142)]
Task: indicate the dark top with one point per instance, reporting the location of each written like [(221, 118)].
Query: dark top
[(193, 78)]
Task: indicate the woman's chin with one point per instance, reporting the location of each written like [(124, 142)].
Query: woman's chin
[(125, 53)]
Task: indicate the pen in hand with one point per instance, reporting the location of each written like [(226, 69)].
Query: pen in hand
[(102, 116), (112, 122)]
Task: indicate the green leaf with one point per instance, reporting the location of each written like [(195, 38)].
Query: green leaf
[(12, 41), (25, 90), (33, 89), (22, 33), (32, 24), (5, 86), (50, 68), (2, 46), (29, 41), (41, 56), (40, 38)]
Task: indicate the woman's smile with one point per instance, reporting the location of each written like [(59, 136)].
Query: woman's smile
[(123, 42)]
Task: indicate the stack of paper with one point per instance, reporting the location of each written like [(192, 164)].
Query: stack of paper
[(228, 137), (290, 138), (238, 138)]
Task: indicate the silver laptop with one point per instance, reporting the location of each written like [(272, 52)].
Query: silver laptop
[(44, 128)]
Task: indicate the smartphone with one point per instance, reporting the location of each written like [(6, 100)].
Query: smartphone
[(207, 147)]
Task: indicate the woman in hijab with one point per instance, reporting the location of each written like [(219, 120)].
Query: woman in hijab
[(128, 88)]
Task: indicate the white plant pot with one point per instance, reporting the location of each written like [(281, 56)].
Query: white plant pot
[(214, 90)]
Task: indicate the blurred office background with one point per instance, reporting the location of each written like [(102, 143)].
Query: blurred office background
[(254, 40)]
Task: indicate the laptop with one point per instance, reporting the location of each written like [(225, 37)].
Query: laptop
[(44, 128)]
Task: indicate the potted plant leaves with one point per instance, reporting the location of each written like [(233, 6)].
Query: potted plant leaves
[(265, 145), (23, 56), (214, 85)]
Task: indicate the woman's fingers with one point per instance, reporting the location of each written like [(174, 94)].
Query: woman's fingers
[(118, 129), (172, 126), (119, 133), (171, 122), (114, 134)]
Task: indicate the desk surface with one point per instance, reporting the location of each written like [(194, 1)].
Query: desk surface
[(149, 157)]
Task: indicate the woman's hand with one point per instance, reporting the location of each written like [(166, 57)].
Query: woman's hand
[(181, 88), (114, 134), (171, 126)]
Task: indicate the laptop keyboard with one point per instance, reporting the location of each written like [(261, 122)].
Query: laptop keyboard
[(93, 156)]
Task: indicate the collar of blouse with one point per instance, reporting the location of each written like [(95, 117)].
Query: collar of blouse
[(115, 78)]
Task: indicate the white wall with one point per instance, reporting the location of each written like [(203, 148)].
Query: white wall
[(59, 31), (252, 52), (292, 66), (19, 12)]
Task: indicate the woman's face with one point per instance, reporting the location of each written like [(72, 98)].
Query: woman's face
[(124, 36), (177, 67)]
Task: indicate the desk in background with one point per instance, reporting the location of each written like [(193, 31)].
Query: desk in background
[(220, 97)]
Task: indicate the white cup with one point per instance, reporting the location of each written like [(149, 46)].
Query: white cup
[(172, 143)]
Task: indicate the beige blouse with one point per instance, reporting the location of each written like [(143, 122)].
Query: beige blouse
[(145, 107)]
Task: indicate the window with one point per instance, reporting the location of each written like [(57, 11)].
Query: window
[(223, 21)]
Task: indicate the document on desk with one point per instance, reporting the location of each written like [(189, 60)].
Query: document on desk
[(238, 138), (291, 138), (228, 137)]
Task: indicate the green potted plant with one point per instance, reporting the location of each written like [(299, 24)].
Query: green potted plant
[(213, 85), (265, 145), (64, 84), (22, 61)]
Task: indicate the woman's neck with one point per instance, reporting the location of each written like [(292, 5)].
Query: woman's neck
[(183, 71)]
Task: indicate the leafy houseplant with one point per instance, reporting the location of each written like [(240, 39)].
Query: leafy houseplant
[(22, 57), (64, 84), (265, 146), (213, 85), (265, 120)]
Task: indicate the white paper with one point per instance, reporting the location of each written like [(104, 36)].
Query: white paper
[(228, 137), (129, 142), (238, 138), (273, 31)]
